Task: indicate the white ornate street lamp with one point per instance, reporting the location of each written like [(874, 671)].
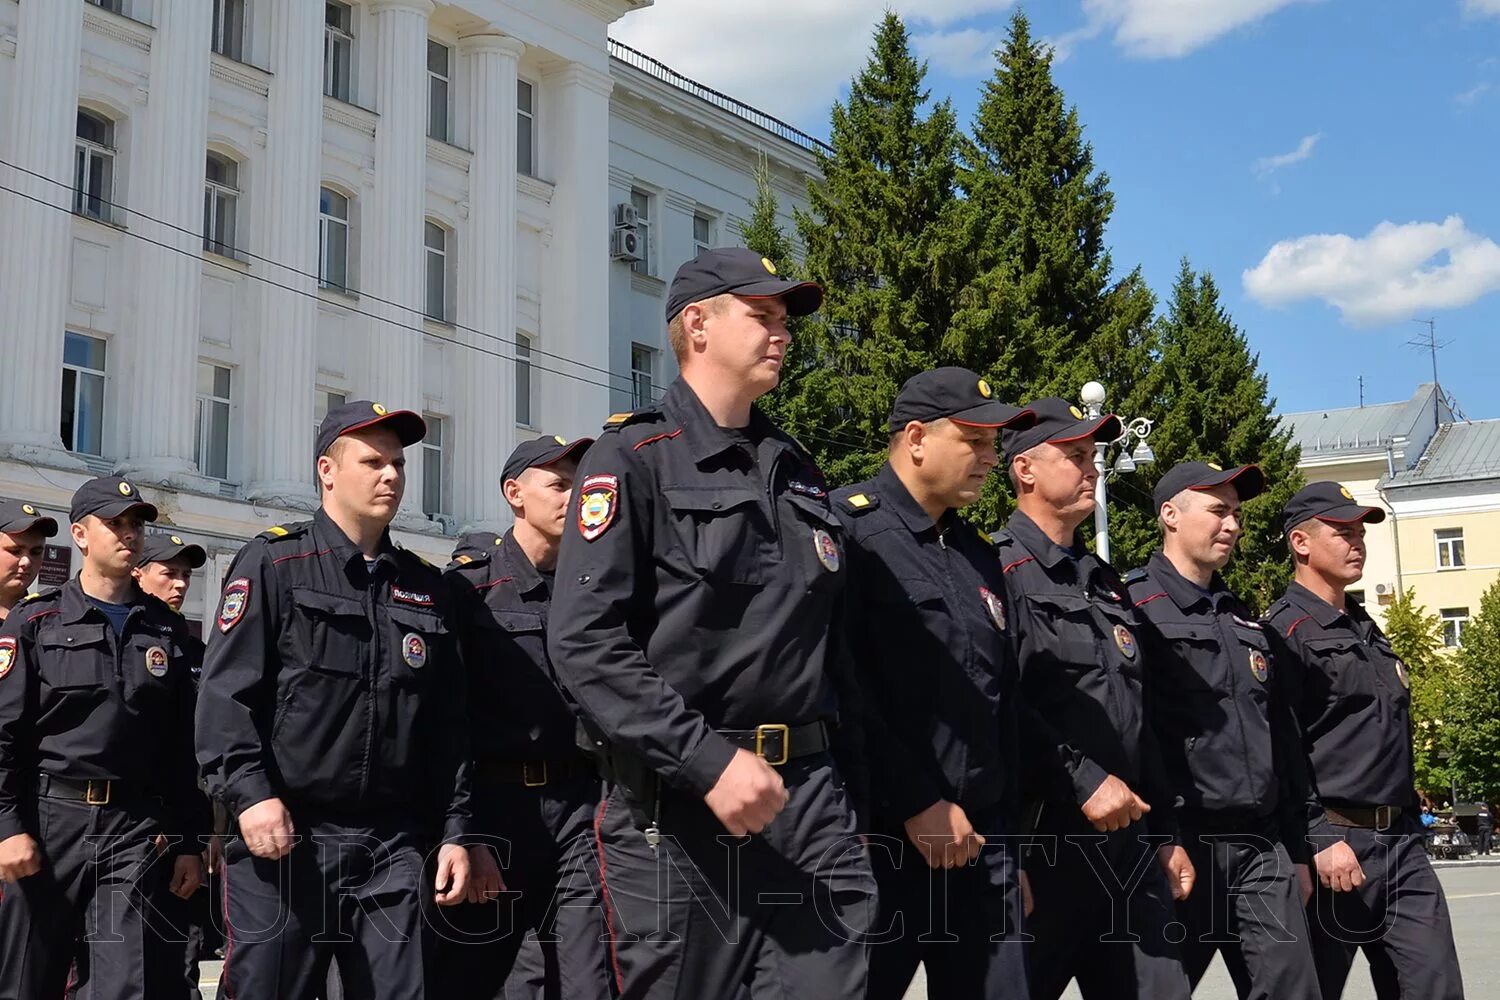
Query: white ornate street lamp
[(1135, 431)]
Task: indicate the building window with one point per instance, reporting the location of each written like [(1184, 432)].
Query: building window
[(525, 129), (333, 240), (338, 49), (435, 495), (94, 167), (523, 380), (114, 5), (703, 233), (439, 58), (642, 376), (1455, 620), (229, 28), (642, 202), (323, 402), (1357, 596), (83, 394), (211, 445), (435, 250), (221, 200), (1450, 548)]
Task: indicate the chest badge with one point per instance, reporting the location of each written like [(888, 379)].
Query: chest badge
[(1126, 641), (156, 661), (232, 607), (7, 654), (1258, 665), (598, 499), (827, 550), (994, 607), (414, 650), (1401, 675)]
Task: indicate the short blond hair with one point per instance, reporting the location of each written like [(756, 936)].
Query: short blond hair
[(677, 333)]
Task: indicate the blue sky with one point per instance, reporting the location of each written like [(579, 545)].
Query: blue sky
[(1334, 163)]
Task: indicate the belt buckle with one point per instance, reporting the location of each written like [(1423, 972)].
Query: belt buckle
[(1382, 817), (88, 794), (527, 772), (786, 742)]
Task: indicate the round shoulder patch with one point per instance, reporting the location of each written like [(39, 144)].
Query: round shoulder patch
[(156, 661), (1258, 665), (1125, 641)]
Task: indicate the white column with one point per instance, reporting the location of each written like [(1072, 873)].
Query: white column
[(35, 235), (575, 300), (282, 373), (391, 268), (484, 429), (160, 349)]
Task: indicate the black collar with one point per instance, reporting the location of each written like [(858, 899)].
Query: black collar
[(526, 576), (1043, 549), (893, 493), (705, 438), (328, 535), (1322, 612), (75, 605), (1183, 592)]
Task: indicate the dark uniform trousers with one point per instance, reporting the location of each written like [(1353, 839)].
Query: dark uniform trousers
[(1246, 904), (351, 891), (544, 938), (1399, 917), (786, 910), (963, 925), (100, 880), (1103, 912)]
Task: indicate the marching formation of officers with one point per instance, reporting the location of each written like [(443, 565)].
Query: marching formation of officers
[(839, 733)]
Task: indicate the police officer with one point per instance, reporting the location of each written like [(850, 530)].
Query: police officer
[(165, 568), (1097, 769), (535, 790), (331, 725), (693, 623), (97, 792), (1228, 739), (1377, 890), (23, 534), (1484, 824), (927, 629)]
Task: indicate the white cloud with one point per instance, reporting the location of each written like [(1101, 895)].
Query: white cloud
[(1166, 29), (964, 52), (1482, 7), (1270, 164), (1471, 95), (795, 72), (1392, 274)]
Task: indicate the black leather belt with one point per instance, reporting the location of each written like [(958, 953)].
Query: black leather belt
[(1368, 817), (93, 791), (535, 773), (779, 743)]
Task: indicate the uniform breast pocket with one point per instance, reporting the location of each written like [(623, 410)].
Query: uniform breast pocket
[(1195, 666), (720, 530), (1253, 658), (1342, 663), (815, 542), (1067, 629), (418, 638), (73, 657), (329, 633), (149, 668)]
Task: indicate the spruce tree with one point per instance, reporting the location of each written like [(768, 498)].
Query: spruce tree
[(763, 233), (881, 237)]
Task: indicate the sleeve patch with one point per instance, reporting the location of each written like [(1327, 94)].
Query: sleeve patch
[(235, 602), (598, 499), (7, 654)]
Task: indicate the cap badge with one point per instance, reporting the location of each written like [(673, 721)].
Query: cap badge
[(984, 389), (598, 499), (1344, 491), (156, 661), (766, 263), (1215, 466), (125, 490), (559, 439), (1125, 641), (176, 540), (7, 654), (827, 550), (1077, 413), (995, 608), (28, 508), (380, 411), (1258, 665), (414, 650)]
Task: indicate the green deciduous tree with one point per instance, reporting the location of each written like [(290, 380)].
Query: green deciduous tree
[(1417, 637)]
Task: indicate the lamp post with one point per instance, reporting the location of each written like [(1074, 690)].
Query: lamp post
[(1137, 430)]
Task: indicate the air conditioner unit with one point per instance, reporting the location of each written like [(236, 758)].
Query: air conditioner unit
[(626, 217), (1382, 588), (625, 244)]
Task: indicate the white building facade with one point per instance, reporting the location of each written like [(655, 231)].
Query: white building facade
[(220, 217)]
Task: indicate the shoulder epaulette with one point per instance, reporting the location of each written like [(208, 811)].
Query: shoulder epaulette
[(284, 531), (1135, 576), (984, 536), (421, 560), (859, 503), (618, 420), (50, 592)]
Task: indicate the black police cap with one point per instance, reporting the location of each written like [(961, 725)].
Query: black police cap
[(1058, 422), (165, 548), (741, 272), (1249, 482), (957, 394), (541, 452), (106, 497), (361, 413), (18, 517), (1331, 502)]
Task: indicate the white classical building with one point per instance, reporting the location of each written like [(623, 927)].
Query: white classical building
[(219, 217)]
